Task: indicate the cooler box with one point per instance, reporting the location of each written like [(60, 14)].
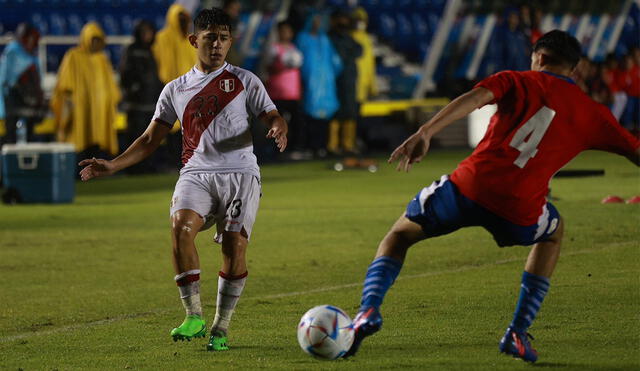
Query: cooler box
[(40, 172)]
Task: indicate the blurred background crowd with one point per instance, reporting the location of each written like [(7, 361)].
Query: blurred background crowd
[(350, 76)]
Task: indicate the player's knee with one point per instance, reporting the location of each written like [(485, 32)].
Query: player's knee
[(404, 233), (234, 244), (184, 229)]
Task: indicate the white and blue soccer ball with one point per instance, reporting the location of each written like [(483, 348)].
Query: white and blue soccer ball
[(325, 332)]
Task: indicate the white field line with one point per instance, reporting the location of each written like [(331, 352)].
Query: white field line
[(86, 325)]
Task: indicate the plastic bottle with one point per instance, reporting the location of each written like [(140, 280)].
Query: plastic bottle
[(21, 131)]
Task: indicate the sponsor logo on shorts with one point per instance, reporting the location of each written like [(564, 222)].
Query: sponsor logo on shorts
[(173, 201)]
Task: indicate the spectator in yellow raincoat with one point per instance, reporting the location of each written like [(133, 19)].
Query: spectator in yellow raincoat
[(174, 54), (85, 97), (366, 86)]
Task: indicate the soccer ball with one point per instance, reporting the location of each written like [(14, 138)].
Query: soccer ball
[(325, 332)]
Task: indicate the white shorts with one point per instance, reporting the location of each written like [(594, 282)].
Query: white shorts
[(229, 200)]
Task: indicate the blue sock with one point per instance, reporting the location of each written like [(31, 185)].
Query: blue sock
[(381, 274), (532, 293)]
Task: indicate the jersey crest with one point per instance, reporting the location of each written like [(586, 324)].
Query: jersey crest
[(227, 85)]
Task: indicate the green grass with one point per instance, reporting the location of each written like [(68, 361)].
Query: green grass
[(90, 285)]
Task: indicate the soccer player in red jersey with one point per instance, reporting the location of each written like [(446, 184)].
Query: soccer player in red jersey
[(543, 121)]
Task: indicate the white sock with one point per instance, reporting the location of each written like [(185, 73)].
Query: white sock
[(189, 287), (229, 291)]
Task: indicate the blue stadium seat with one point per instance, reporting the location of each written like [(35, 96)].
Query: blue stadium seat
[(90, 17), (74, 23), (40, 22), (420, 25), (57, 24), (126, 24), (110, 25), (404, 32), (384, 24), (423, 50), (433, 19)]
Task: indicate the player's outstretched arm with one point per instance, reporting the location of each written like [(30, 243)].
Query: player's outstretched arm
[(278, 128), (416, 146), (137, 151)]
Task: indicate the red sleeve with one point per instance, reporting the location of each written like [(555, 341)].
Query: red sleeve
[(499, 84), (611, 136)]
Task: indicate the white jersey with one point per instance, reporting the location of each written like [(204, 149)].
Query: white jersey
[(212, 109)]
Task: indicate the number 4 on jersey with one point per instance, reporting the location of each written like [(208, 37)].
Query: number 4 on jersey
[(533, 130)]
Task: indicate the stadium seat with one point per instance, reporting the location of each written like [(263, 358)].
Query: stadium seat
[(110, 25), (57, 24), (419, 24), (74, 23), (403, 32), (385, 25), (40, 22), (126, 24)]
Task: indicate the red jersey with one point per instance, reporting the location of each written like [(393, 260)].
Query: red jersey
[(543, 121), (632, 81)]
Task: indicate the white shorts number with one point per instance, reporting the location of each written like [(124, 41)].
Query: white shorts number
[(536, 126)]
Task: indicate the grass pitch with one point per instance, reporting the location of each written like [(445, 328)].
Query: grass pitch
[(89, 285)]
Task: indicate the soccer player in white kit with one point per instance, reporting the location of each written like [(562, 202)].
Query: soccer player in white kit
[(220, 180)]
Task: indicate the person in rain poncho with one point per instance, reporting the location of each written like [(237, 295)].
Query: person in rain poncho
[(174, 54), (321, 64), (85, 97), (21, 96)]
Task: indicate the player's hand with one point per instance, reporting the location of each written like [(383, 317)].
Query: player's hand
[(411, 151), (95, 167), (278, 132)]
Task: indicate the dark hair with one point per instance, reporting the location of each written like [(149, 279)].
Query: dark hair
[(283, 23), (25, 29), (139, 29), (207, 18), (560, 47)]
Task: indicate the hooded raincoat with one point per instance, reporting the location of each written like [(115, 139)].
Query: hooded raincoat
[(321, 65), (86, 78), (174, 54)]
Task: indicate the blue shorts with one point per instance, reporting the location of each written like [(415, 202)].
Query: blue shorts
[(441, 209)]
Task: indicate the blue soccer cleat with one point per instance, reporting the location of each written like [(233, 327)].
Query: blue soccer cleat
[(517, 344), (366, 323)]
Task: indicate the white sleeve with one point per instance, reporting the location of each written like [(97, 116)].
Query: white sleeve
[(257, 98), (165, 111)]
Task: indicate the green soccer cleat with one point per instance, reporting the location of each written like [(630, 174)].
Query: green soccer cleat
[(218, 342), (192, 327)]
